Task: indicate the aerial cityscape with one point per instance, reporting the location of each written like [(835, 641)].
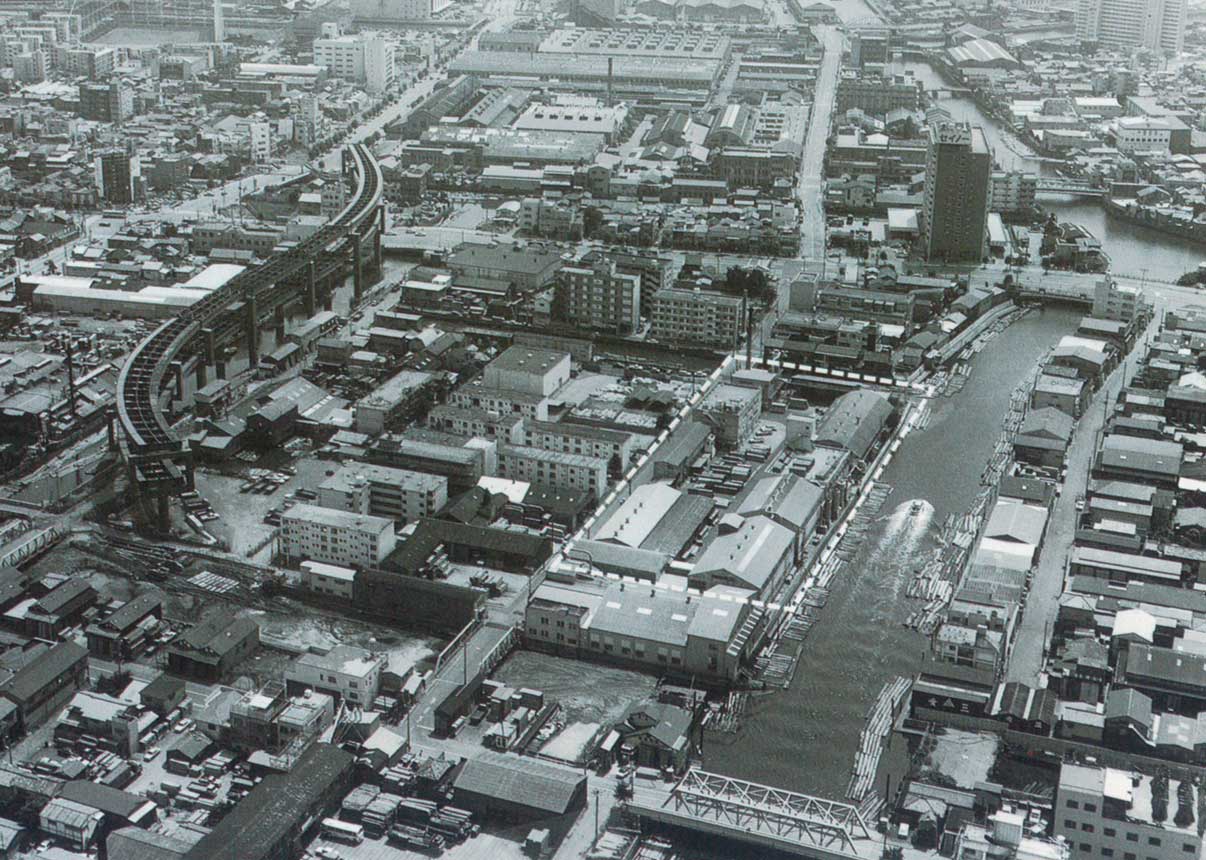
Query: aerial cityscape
[(610, 429)]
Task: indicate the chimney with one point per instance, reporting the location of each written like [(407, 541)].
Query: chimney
[(70, 374)]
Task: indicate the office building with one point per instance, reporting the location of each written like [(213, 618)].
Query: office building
[(112, 102), (958, 178), (346, 672), (1148, 134), (313, 533), (1125, 25), (1108, 813), (259, 141), (118, 176), (592, 294), (366, 60), (380, 491)]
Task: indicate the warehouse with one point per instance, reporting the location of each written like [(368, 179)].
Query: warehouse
[(270, 822), (511, 788)]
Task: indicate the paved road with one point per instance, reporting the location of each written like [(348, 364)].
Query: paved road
[(812, 163), (1047, 584)]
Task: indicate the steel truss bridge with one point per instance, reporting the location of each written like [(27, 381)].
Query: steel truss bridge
[(159, 460), (757, 814)]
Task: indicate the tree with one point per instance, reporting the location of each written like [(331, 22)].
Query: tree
[(1185, 802), (1160, 797)]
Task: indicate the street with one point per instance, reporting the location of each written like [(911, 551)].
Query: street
[(1047, 583), (811, 189)]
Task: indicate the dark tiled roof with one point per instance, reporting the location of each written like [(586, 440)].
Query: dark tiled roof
[(264, 818)]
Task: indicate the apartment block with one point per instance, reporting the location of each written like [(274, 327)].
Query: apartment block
[(397, 494), (536, 466), (958, 177), (695, 316), (580, 439), (592, 294), (314, 533)]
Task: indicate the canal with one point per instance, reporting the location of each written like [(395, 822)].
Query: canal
[(805, 738)]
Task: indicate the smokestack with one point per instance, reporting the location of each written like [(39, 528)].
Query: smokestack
[(610, 72), (70, 376)]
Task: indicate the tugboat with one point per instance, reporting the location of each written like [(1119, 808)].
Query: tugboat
[(915, 508)]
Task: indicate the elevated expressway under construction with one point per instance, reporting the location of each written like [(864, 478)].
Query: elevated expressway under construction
[(151, 389)]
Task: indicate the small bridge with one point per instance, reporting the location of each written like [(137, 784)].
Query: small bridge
[(1063, 185)]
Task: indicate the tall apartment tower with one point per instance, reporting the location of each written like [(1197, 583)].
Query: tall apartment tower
[(958, 182), (219, 22), (1125, 25), (118, 176)]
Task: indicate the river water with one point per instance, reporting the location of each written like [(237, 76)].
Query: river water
[(805, 738)]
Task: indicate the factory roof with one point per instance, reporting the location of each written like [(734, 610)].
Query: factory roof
[(750, 554), (854, 421), (529, 359), (635, 520), (262, 820), (513, 779), (981, 52)]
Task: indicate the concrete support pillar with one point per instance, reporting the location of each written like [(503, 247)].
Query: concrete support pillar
[(178, 379), (328, 300), (220, 369), (357, 271), (377, 258), (202, 371), (252, 326), (111, 430), (164, 519), (211, 345), (311, 298), (278, 322)]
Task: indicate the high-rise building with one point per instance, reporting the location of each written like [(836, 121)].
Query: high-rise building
[(118, 176), (30, 67), (958, 178), (367, 60), (1158, 25), (112, 102), (379, 71), (260, 134)]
